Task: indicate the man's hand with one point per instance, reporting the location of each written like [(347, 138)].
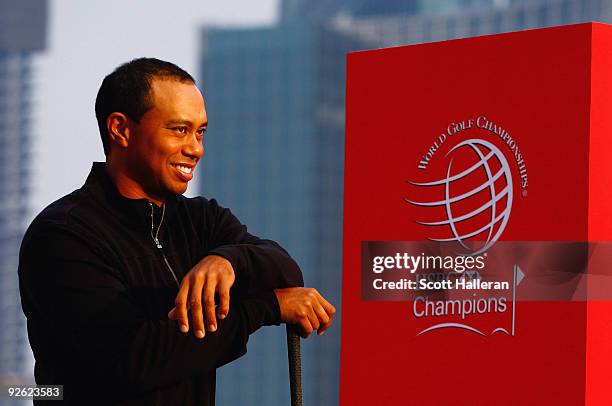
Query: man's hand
[(306, 308), (213, 274)]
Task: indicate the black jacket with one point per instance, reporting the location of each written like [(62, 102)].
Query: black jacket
[(96, 290)]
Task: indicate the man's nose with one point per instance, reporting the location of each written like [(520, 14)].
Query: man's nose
[(194, 147)]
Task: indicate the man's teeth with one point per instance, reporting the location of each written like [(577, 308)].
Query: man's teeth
[(184, 169)]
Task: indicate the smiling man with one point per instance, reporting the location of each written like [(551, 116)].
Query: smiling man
[(135, 294)]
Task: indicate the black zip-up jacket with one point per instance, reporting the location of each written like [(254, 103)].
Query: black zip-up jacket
[(99, 272)]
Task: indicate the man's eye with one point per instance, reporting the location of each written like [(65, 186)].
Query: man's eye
[(180, 129), (201, 132)]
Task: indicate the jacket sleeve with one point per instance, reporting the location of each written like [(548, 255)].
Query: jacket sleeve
[(260, 264), (84, 319)]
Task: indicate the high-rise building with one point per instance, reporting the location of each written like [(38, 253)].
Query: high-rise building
[(499, 16), (297, 11), (22, 33), (275, 101), (274, 155)]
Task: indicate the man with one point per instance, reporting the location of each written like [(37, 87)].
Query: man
[(118, 279)]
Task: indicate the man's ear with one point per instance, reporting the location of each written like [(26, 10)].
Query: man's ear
[(118, 128)]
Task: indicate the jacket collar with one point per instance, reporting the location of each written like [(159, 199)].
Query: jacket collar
[(135, 211)]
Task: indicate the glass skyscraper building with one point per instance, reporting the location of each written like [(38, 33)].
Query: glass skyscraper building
[(498, 16), (22, 33), (274, 155), (274, 152)]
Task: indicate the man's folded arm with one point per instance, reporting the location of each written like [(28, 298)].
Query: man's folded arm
[(261, 264), (73, 296)]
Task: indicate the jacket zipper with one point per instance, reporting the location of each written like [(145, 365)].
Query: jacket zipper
[(158, 243)]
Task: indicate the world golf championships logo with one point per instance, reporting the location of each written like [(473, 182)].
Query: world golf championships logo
[(494, 212)]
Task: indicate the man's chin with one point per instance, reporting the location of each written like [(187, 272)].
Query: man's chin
[(178, 189)]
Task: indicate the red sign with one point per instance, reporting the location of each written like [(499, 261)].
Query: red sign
[(491, 151)]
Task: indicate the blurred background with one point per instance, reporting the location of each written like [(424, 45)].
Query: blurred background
[(272, 73)]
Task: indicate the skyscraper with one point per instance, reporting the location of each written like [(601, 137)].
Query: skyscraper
[(460, 22), (274, 155), (22, 33), (296, 11), (275, 100)]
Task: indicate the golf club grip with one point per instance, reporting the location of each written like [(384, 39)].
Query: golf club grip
[(295, 365)]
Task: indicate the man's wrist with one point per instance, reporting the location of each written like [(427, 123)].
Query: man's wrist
[(223, 253), (266, 305)]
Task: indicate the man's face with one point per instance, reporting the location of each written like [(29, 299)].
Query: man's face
[(166, 144)]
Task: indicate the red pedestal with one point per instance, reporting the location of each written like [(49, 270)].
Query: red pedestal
[(543, 100)]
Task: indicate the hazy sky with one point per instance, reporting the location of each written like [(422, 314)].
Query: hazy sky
[(86, 41)]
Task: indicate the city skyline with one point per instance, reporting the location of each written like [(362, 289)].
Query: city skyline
[(82, 48)]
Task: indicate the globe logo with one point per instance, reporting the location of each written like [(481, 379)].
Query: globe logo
[(477, 197)]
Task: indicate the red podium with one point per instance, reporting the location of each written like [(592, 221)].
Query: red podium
[(498, 149)]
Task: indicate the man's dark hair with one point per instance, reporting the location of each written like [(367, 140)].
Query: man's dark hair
[(128, 90)]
